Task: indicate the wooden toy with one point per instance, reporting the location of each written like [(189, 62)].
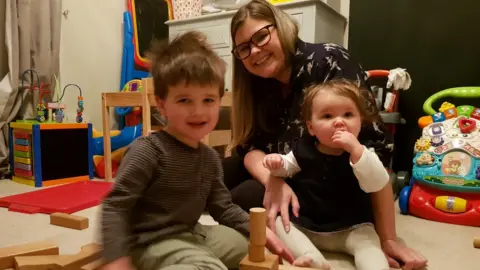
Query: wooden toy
[(89, 254), (7, 254), (258, 236), (476, 242), (69, 221), (257, 259), (41, 156)]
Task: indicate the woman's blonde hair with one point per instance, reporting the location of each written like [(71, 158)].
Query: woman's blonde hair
[(341, 87), (245, 111)]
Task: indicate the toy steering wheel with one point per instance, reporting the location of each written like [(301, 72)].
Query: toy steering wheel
[(457, 92)]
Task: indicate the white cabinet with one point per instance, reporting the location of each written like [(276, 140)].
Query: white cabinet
[(317, 21)]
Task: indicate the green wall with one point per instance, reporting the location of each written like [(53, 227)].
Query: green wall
[(438, 42)]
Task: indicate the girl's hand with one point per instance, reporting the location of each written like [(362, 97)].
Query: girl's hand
[(410, 258), (346, 140), (273, 162), (276, 246), (278, 196)]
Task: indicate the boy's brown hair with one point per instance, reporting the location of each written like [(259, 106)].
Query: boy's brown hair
[(187, 59), (341, 87)]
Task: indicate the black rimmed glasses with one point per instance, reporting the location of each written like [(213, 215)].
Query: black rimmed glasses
[(259, 39)]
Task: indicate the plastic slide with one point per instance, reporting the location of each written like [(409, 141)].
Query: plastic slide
[(124, 138)]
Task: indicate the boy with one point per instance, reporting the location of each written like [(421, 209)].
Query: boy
[(167, 178)]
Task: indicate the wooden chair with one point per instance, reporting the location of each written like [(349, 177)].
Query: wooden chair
[(219, 139)]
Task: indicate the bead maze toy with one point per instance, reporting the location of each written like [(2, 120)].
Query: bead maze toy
[(41, 87), (59, 112), (45, 151), (46, 154), (445, 185), (51, 112)]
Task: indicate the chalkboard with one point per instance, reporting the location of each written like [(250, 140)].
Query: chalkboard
[(436, 41), (149, 22), (64, 158)]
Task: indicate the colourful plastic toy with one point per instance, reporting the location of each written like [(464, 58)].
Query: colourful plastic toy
[(445, 185), (99, 162), (120, 139), (133, 115), (124, 138), (47, 154), (160, 6), (69, 198)]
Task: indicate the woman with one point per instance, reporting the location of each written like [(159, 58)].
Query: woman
[(272, 67)]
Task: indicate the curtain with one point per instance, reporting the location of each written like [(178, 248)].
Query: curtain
[(32, 41)]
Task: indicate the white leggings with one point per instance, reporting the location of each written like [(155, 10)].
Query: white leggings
[(361, 242)]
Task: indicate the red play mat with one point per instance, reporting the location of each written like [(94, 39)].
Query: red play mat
[(67, 198)]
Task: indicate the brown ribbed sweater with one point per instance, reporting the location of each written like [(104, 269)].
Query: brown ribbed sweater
[(162, 188)]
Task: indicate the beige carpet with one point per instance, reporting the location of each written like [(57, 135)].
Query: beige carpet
[(447, 247)]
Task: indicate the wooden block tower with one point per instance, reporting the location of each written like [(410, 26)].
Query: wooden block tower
[(256, 258)]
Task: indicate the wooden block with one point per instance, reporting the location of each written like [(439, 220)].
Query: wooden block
[(45, 262), (93, 265), (476, 242), (291, 267), (256, 253), (270, 263), (91, 247), (69, 221), (7, 254), (258, 226), (88, 254)]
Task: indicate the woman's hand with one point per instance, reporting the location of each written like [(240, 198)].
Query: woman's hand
[(276, 246), (278, 196), (410, 258)]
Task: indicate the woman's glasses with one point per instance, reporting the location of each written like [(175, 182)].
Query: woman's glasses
[(259, 39)]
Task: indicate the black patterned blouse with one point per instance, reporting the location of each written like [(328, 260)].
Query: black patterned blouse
[(312, 63)]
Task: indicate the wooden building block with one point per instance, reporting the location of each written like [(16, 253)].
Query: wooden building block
[(45, 262), (93, 265), (291, 267), (7, 254), (256, 253), (69, 221), (476, 242), (258, 226), (88, 254), (270, 263)]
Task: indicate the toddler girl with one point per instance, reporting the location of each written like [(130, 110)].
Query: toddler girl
[(332, 174)]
